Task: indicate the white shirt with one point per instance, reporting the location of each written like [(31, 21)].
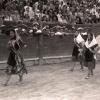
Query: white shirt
[(92, 43)]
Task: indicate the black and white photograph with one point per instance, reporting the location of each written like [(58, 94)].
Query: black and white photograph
[(49, 49)]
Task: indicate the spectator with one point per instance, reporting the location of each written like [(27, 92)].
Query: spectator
[(84, 11), (28, 12), (15, 16)]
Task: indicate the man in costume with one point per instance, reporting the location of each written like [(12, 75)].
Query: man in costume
[(78, 53)]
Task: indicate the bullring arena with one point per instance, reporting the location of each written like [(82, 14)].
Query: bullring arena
[(47, 30), (52, 82)]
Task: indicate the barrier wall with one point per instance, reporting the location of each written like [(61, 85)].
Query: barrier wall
[(52, 46)]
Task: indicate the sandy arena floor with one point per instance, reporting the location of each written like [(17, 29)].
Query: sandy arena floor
[(53, 82)]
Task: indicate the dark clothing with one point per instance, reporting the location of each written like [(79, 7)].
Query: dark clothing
[(75, 52), (90, 64), (89, 59), (15, 60), (89, 56), (13, 48), (84, 37), (14, 56), (11, 59)]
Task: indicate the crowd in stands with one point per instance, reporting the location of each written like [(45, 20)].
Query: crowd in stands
[(63, 11)]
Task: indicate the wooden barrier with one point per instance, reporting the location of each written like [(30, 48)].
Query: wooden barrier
[(50, 46)]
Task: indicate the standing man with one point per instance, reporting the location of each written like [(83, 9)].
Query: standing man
[(79, 40), (90, 58)]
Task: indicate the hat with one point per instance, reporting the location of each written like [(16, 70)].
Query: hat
[(80, 28)]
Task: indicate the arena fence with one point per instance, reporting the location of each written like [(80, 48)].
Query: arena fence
[(50, 47)]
